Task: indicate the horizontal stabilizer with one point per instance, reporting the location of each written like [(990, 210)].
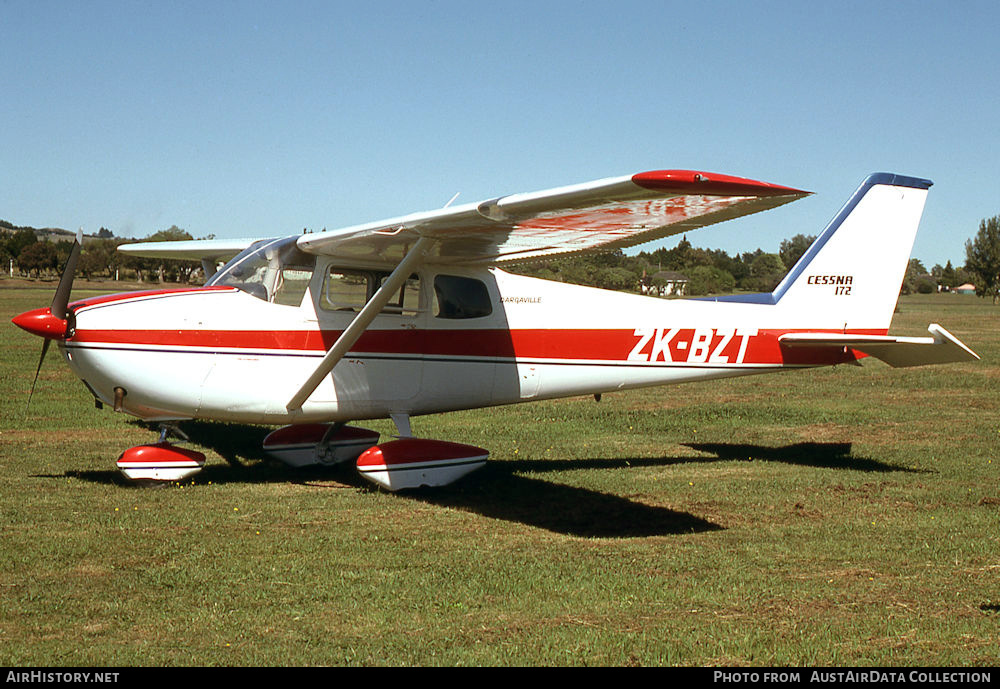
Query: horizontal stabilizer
[(942, 348)]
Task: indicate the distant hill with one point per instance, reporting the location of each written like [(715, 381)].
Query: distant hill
[(51, 234)]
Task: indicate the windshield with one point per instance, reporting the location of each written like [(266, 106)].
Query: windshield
[(272, 269)]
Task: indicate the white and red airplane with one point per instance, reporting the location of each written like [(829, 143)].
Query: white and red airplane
[(413, 316)]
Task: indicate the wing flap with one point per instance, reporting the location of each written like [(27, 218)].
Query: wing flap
[(941, 348)]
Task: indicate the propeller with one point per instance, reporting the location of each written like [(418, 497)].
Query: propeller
[(53, 323), (45, 349), (60, 302)]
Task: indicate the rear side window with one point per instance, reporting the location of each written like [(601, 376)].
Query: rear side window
[(460, 297)]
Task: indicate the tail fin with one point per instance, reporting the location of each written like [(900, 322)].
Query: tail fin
[(850, 277)]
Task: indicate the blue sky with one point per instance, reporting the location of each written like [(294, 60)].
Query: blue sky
[(246, 119)]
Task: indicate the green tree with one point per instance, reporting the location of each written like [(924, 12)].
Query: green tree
[(914, 269), (100, 256), (926, 284), (617, 279), (709, 280), (744, 276), (792, 249), (948, 276), (38, 257), (982, 258), (21, 239), (679, 257), (766, 272)]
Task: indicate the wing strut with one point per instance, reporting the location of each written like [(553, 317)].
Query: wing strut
[(361, 322)]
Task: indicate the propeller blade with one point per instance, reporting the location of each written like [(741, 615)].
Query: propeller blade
[(60, 301), (45, 348), (57, 312)]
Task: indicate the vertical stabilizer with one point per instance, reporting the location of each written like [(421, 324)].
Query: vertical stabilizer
[(850, 277)]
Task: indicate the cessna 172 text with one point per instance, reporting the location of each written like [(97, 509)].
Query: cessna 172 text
[(414, 316)]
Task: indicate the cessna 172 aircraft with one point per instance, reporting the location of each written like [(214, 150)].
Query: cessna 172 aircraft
[(413, 315)]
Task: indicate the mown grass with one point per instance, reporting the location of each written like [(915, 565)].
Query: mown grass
[(845, 516)]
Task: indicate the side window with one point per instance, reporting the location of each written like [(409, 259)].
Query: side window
[(344, 290), (407, 300), (460, 297), (291, 286), (350, 290)]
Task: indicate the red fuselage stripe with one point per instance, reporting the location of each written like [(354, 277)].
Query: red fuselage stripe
[(145, 294), (681, 345)]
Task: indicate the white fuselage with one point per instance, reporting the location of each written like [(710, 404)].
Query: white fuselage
[(222, 353)]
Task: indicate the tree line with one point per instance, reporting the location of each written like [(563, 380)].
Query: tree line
[(99, 256), (713, 271), (707, 271)]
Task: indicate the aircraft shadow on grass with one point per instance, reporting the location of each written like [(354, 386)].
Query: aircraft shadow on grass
[(819, 455), (501, 491)]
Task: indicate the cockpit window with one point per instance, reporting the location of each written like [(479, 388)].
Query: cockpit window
[(272, 269)]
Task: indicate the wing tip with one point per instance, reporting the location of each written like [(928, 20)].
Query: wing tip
[(710, 183)]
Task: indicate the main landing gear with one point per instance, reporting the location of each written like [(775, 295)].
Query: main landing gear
[(161, 461), (406, 462)]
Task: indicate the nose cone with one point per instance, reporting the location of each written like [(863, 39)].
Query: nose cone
[(41, 322)]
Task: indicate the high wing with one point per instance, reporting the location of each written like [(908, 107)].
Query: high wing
[(193, 249), (209, 251), (596, 216)]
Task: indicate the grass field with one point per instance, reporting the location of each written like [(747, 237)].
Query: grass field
[(845, 516)]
